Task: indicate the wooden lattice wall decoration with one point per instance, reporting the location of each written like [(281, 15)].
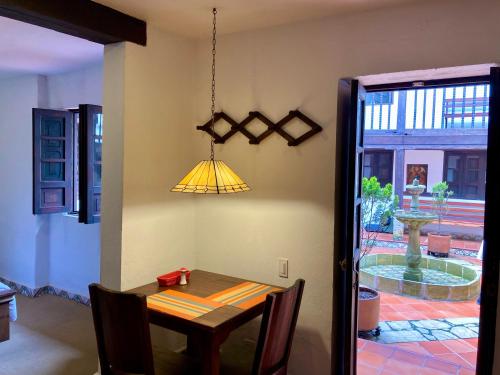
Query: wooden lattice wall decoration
[(271, 127)]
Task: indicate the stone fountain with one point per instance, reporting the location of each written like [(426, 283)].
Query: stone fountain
[(416, 275), (415, 219)]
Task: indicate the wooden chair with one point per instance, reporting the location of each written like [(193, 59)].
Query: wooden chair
[(275, 337), (124, 339)]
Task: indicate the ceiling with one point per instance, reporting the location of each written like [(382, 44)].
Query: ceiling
[(29, 49), (193, 17)]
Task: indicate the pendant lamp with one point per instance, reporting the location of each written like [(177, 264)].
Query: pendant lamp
[(211, 176)]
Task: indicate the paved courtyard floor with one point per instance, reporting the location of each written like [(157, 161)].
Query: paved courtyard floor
[(422, 336)]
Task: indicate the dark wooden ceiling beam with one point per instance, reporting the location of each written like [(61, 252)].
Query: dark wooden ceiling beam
[(81, 18)]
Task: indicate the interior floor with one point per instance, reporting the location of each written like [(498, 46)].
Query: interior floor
[(55, 336), (52, 336)]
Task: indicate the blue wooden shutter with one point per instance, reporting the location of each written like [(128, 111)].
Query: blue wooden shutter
[(52, 161)]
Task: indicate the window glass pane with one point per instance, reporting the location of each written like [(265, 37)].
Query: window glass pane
[(52, 171), (52, 127), (76, 167), (97, 174), (97, 121), (451, 175), (97, 149), (52, 149)]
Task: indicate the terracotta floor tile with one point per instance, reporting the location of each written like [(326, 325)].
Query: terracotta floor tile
[(388, 372), (454, 359), (402, 307), (360, 344), (402, 368), (363, 369), (473, 342), (414, 315), (396, 316), (431, 371), (470, 357), (466, 371), (415, 347), (382, 349), (408, 357), (438, 364), (435, 347), (371, 359), (459, 346), (423, 307), (388, 308)]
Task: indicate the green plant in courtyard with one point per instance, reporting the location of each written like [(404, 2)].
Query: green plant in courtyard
[(440, 196), (377, 208)]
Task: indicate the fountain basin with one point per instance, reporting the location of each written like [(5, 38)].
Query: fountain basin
[(409, 216), (448, 280)]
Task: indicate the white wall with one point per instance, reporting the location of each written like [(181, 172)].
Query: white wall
[(74, 247), (82, 86), (149, 123), (290, 210), (24, 238), (435, 161), (289, 213), (46, 249)]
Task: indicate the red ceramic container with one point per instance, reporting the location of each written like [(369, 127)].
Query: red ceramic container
[(171, 278)]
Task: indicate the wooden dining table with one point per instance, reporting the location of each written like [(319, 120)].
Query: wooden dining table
[(205, 333)]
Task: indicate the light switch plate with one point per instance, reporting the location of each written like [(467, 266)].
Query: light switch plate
[(283, 267)]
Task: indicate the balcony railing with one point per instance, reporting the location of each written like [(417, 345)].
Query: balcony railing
[(459, 107)]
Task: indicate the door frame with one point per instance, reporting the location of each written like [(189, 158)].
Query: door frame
[(491, 259)]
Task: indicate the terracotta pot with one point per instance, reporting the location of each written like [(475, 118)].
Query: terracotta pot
[(369, 309), (438, 244)]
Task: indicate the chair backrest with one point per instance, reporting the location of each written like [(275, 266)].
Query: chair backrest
[(277, 329), (122, 332)]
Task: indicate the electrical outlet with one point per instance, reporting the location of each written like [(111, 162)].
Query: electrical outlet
[(283, 267)]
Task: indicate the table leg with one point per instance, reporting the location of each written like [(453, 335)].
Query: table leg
[(206, 347)]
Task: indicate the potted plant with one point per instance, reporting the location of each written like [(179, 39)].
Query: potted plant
[(377, 209), (438, 243)]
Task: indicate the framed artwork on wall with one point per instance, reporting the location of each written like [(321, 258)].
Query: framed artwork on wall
[(414, 170)]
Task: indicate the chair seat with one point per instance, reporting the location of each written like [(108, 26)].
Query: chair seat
[(171, 363)]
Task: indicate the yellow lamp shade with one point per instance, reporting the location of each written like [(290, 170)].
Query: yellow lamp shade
[(211, 177)]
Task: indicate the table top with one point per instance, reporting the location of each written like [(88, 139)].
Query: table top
[(202, 284)]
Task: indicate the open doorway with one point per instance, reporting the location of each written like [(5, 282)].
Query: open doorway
[(48, 252), (433, 136)]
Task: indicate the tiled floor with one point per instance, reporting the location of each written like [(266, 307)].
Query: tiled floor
[(421, 357), (416, 359), (395, 307)]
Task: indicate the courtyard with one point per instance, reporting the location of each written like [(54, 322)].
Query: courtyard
[(421, 336)]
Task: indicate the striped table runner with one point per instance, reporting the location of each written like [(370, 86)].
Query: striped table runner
[(181, 304), (244, 295)]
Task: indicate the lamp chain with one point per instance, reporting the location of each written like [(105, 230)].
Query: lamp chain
[(214, 43)]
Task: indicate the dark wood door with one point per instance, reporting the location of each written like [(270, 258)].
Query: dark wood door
[(465, 173), (347, 240), (491, 255)]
